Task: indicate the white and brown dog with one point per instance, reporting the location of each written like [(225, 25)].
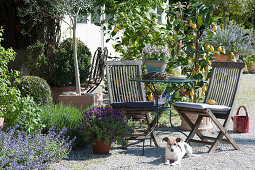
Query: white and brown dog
[(176, 150)]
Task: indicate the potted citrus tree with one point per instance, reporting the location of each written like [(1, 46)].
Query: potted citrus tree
[(229, 42), (103, 126)]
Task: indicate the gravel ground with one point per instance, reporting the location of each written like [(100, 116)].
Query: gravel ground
[(225, 156)]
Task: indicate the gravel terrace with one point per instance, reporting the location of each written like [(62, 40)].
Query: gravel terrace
[(225, 156)]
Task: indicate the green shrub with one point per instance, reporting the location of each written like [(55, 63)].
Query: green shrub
[(36, 61), (60, 116), (35, 87), (64, 73)]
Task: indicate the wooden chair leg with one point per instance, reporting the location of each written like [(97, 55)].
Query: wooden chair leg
[(189, 122), (195, 128), (223, 131)]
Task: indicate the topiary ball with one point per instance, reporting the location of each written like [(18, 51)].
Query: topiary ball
[(35, 87)]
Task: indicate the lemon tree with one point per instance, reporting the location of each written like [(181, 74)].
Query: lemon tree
[(188, 21)]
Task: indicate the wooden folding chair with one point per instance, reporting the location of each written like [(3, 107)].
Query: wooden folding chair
[(223, 89), (129, 96)]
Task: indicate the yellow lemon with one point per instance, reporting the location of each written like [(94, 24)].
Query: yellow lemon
[(214, 28), (150, 97), (219, 49), (211, 49), (203, 93), (192, 99), (204, 58), (207, 46), (192, 93), (204, 88), (207, 68), (194, 26), (211, 101), (190, 23), (115, 29)]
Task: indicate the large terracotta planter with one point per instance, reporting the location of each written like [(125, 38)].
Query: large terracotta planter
[(100, 147), (206, 123), (56, 91), (81, 101), (1, 122), (224, 57)]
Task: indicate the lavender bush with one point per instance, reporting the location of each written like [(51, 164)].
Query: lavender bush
[(105, 124), (233, 39), (156, 53), (19, 150)]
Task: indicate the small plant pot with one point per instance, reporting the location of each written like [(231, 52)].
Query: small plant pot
[(252, 69), (155, 65), (100, 147)]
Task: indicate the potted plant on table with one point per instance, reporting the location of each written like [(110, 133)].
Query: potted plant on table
[(229, 42), (103, 126), (155, 58)]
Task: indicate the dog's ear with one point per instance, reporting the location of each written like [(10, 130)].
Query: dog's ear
[(166, 139), (178, 139)]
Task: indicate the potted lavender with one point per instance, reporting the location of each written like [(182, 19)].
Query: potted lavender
[(155, 58), (103, 126), (229, 42)]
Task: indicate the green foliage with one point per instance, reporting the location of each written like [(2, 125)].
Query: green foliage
[(21, 108), (63, 116), (250, 60), (14, 108), (64, 72), (35, 87), (39, 62), (139, 28), (188, 21)]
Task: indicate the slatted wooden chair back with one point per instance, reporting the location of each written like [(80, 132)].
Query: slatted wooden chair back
[(121, 89), (224, 82)]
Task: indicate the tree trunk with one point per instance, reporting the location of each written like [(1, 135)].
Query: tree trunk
[(77, 74)]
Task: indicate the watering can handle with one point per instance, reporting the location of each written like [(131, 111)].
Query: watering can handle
[(244, 109)]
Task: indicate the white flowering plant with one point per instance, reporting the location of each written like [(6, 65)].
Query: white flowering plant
[(156, 53), (233, 39)]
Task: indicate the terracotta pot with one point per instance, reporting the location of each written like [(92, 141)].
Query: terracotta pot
[(1, 122), (206, 123), (56, 91), (252, 69), (224, 57), (100, 147)]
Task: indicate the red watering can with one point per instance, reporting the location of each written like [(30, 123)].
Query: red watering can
[(241, 123)]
